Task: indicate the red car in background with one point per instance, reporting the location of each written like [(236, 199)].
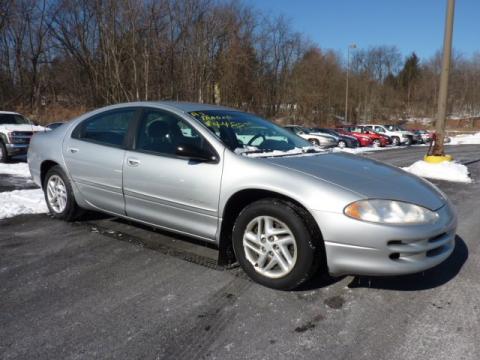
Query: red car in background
[(378, 139), (363, 139)]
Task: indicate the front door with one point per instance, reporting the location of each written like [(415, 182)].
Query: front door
[(94, 154), (164, 189)]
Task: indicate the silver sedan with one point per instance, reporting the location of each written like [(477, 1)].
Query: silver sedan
[(268, 199)]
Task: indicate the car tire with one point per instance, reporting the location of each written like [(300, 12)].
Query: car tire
[(395, 141), (376, 143), (294, 244), (4, 158), (314, 142), (342, 144), (408, 142), (59, 195)]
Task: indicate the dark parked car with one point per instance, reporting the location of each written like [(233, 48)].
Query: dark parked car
[(343, 140), (54, 125)]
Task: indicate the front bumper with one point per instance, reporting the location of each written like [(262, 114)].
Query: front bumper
[(409, 139), (365, 142), (352, 143), (16, 149), (355, 247)]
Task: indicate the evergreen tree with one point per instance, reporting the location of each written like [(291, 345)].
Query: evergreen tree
[(409, 76)]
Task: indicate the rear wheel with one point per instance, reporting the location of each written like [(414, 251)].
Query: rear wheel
[(395, 140), (59, 195), (3, 153), (274, 245), (377, 143), (342, 144)]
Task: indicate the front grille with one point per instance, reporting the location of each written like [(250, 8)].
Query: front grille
[(21, 137)]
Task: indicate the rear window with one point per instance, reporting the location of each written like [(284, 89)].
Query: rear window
[(106, 129)]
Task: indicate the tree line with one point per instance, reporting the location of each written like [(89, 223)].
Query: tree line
[(90, 53)]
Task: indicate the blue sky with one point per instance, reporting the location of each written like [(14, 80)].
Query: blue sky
[(411, 25)]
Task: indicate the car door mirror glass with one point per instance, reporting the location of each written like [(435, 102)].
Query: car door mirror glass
[(193, 152)]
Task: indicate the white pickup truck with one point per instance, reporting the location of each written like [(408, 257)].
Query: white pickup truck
[(398, 135), (15, 134)]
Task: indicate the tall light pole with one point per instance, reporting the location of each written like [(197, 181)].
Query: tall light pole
[(438, 149), (351, 46)]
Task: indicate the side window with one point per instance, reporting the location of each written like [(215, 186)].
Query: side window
[(106, 129), (162, 133), (379, 129)]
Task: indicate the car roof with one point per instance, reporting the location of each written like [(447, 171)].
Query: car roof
[(9, 112), (185, 106)]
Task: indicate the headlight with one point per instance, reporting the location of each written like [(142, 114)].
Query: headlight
[(390, 212)]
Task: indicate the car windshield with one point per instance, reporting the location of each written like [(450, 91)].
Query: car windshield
[(13, 119), (246, 133), (394, 128)]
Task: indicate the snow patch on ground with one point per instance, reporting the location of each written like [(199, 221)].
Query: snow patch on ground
[(20, 202), (470, 139), (19, 169), (448, 170)]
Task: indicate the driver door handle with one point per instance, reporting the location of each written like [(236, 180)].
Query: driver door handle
[(73, 150), (133, 162)]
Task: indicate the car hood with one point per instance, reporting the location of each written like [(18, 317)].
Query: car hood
[(325, 136), (22, 127), (366, 177)]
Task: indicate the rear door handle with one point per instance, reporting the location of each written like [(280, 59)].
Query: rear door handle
[(73, 150), (133, 162)]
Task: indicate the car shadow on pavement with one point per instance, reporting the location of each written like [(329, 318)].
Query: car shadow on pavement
[(429, 279)]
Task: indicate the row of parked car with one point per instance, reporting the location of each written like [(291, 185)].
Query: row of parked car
[(16, 131), (352, 136)]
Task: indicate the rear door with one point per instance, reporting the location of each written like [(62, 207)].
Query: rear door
[(94, 154), (164, 189)]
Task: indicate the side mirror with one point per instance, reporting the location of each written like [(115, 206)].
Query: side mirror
[(195, 153)]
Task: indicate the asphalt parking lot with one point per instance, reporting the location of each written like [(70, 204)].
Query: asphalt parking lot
[(103, 288)]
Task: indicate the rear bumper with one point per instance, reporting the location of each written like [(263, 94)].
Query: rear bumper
[(359, 248), (16, 149)]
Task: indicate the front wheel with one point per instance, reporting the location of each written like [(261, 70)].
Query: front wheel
[(59, 195), (3, 153), (314, 142), (342, 144), (274, 245), (395, 140), (377, 143)]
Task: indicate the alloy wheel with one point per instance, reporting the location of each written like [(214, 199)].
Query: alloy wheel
[(56, 194), (270, 246)]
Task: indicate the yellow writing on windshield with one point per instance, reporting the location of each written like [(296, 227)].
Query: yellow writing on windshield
[(224, 120)]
